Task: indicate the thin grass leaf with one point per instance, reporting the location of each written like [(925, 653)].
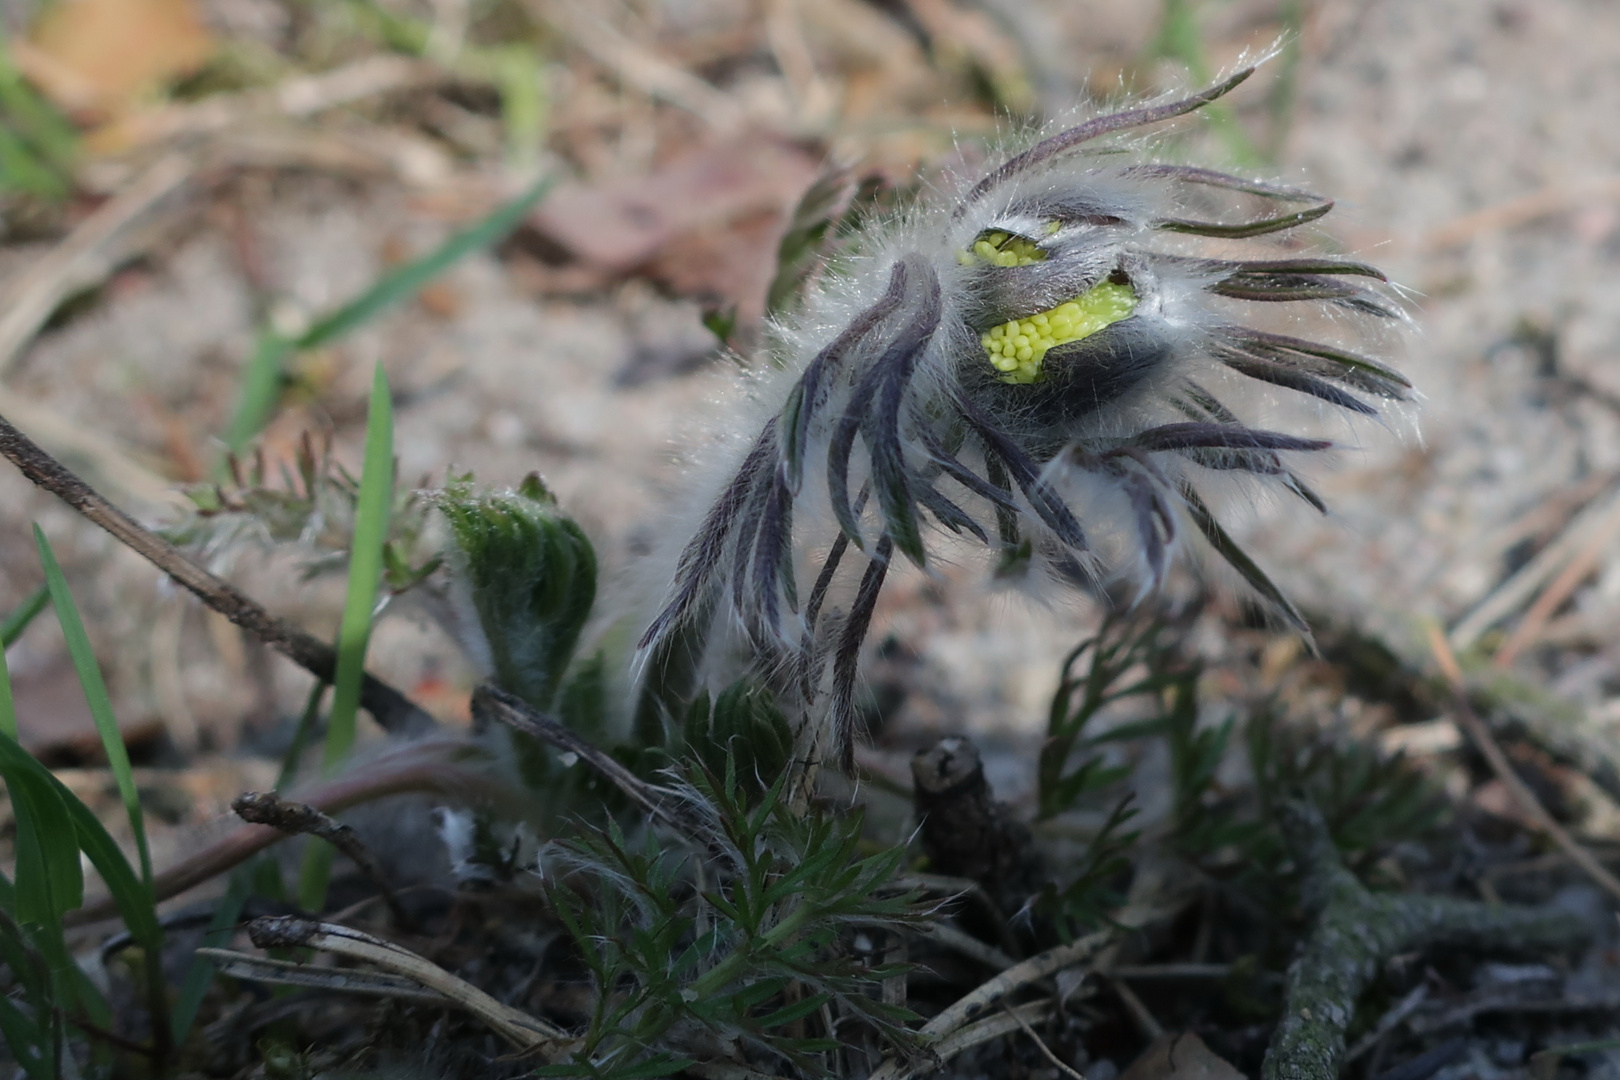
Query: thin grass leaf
[(74, 828), (12, 627), (91, 837), (8, 712), (261, 388), (95, 694), (51, 133), (365, 572), (1181, 38), (29, 1036), (261, 382), (29, 1044), (37, 144), (524, 105), (49, 879), (301, 736), (200, 975), (405, 280)]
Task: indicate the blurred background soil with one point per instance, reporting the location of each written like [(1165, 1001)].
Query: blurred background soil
[(233, 166)]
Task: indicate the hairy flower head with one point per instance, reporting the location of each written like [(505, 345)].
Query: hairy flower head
[(1042, 366)]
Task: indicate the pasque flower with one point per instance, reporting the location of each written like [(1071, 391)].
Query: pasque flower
[(1050, 365)]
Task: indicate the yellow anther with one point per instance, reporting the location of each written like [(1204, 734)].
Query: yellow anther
[(1018, 347), (1002, 249)]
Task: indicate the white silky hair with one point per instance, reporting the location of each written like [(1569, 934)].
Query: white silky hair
[(1092, 208)]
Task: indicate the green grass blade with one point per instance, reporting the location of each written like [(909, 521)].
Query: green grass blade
[(8, 711), (365, 572), (261, 381), (523, 104), (13, 625), (95, 693), (66, 828), (37, 144), (201, 972), (300, 739), (405, 280), (27, 1042), (261, 387), (33, 118), (8, 727), (1181, 38), (49, 880)]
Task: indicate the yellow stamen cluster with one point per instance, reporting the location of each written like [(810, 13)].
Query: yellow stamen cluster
[(1003, 249), (1017, 348)]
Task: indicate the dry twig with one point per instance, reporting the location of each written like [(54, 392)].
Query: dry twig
[(1599, 519), (1526, 800), (952, 1021), (425, 765), (297, 819), (1063, 1066), (108, 460), (1520, 211), (518, 1028), (1552, 598), (517, 714), (302, 95), (240, 965), (1357, 932), (636, 65), (966, 945), (82, 259)]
